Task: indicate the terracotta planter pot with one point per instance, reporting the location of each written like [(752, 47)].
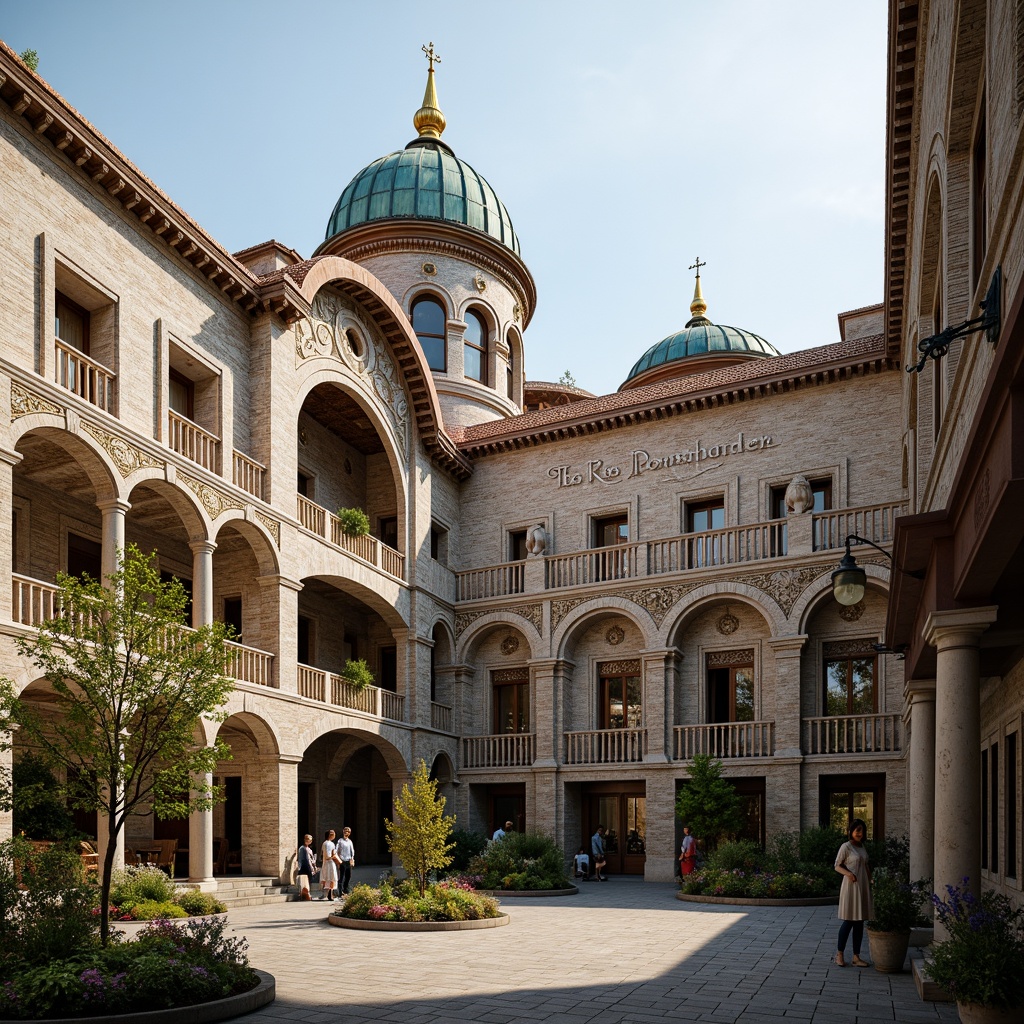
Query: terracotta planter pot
[(975, 1013), (889, 950)]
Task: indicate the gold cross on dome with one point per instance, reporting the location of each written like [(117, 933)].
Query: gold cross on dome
[(697, 265), (431, 56)]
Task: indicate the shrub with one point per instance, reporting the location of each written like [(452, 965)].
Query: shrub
[(467, 846), (354, 522), (401, 901), (820, 845), (740, 853), (896, 900), (357, 673), (154, 910), (522, 861), (135, 885), (198, 904)]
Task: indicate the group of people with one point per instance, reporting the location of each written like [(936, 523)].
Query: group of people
[(337, 859), (581, 862)]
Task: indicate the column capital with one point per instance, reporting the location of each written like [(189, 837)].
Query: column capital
[(202, 546), (919, 691), (114, 505), (277, 580), (552, 664), (666, 655), (958, 627), (788, 646), (407, 635), (10, 458)]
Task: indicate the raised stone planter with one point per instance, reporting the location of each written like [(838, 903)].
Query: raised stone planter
[(414, 926), (132, 928), (199, 1013), (741, 901), (513, 893)]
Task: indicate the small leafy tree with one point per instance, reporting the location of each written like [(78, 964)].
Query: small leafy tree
[(357, 673), (708, 803), (129, 686), (354, 522), (567, 379), (419, 834), (30, 58)]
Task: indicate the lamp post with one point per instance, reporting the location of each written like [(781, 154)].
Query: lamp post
[(849, 581)]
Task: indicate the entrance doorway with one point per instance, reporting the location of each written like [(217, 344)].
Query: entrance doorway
[(622, 809), (507, 803)]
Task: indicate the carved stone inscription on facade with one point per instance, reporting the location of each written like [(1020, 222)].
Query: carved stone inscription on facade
[(334, 330)]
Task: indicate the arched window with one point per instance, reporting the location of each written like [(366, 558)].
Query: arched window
[(476, 347), (510, 377), (428, 321)]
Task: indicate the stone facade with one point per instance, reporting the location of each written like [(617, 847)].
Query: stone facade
[(560, 685)]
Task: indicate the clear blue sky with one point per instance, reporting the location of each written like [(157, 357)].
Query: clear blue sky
[(625, 139)]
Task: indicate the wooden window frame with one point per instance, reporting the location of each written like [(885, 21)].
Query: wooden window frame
[(481, 348), (61, 298), (518, 682), (610, 672), (443, 338), (693, 508), (849, 656)]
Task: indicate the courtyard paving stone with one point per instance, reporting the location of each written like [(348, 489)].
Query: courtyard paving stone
[(625, 953)]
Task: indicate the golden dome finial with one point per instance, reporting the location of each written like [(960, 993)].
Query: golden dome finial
[(428, 120), (698, 307)]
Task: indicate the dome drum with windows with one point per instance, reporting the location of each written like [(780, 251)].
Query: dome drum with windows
[(700, 346)]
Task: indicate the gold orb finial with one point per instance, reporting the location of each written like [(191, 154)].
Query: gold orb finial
[(428, 120), (698, 307)]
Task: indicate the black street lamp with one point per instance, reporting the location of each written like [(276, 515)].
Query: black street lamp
[(849, 581)]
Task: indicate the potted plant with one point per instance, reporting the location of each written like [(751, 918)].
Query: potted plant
[(357, 673), (354, 522), (979, 965), (897, 908)]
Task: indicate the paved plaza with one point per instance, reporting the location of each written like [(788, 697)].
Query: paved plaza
[(622, 952)]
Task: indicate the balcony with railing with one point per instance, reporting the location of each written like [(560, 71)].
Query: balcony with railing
[(853, 734), (440, 717), (192, 441), (366, 547), (503, 750), (724, 740), (606, 746), (329, 688), (734, 545), (248, 474), (84, 376)]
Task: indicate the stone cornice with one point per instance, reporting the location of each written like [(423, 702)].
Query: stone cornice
[(379, 238), (86, 154)]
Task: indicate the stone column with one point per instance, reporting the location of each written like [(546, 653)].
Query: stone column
[(659, 674), (279, 608), (956, 635), (660, 865), (920, 716), (413, 656), (202, 582), (548, 713), (788, 721), (113, 512), (269, 816), (8, 460), (200, 840)]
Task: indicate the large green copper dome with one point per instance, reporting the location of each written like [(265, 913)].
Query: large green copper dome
[(701, 344), (426, 181)]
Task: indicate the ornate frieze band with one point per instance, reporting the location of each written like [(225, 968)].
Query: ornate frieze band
[(326, 333), (862, 647), (212, 500), (511, 675), (722, 659), (533, 613), (272, 525), (25, 402), (629, 667)]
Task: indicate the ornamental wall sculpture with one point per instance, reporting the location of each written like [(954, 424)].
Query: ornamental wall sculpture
[(533, 613), (325, 334), (212, 500), (25, 402), (125, 456)]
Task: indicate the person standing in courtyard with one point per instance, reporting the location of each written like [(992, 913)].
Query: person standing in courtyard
[(499, 833), (597, 852), (855, 895), (687, 852), (347, 858), (305, 867), (328, 865)]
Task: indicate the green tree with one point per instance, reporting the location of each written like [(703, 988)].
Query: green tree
[(419, 834), (129, 685), (30, 58), (567, 379), (708, 803)]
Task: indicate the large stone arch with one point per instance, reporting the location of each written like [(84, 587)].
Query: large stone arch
[(486, 626), (194, 518), (821, 591), (31, 439), (583, 616), (699, 600), (262, 543)]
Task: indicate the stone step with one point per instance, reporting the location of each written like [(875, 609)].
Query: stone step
[(243, 882), (926, 988)]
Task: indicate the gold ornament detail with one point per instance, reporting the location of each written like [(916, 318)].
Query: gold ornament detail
[(272, 525), (25, 402), (212, 500), (125, 456), (430, 269), (480, 282)]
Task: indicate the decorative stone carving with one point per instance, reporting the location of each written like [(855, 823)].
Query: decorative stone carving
[(658, 601), (510, 645), (533, 613), (851, 612), (785, 586), (125, 456), (517, 312), (728, 624), (559, 609), (511, 675), (322, 334), (719, 659), (25, 402), (212, 500), (272, 525), (629, 667), (799, 496), (480, 282), (858, 648), (615, 635), (430, 269), (536, 540)]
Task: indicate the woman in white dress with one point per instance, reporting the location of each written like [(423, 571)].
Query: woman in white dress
[(329, 865), (855, 894)]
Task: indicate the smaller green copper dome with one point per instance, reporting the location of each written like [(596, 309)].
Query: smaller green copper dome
[(427, 181), (700, 340)]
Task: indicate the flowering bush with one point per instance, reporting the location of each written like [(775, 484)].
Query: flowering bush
[(401, 901), (980, 962), (761, 885), (897, 901)]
